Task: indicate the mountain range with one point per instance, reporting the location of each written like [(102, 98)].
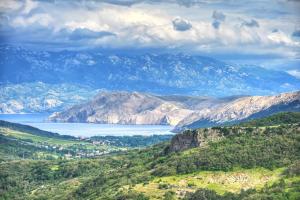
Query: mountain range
[(39, 97), (162, 74), (184, 112)]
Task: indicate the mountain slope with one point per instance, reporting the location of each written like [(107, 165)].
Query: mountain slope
[(39, 97), (264, 161), (282, 118), (182, 111), (154, 73), (242, 109), (125, 108), (32, 130)]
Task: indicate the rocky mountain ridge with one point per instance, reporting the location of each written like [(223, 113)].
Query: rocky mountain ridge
[(241, 109), (162, 74), (39, 97), (126, 108), (183, 111)]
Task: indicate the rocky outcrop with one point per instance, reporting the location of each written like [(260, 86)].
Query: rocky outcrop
[(193, 138), (200, 137)]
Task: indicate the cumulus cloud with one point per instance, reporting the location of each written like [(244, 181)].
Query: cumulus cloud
[(186, 3), (103, 24), (83, 33), (294, 73), (41, 19), (180, 24), (218, 18), (29, 6), (251, 23), (6, 5), (296, 33), (216, 24), (280, 38), (124, 2)]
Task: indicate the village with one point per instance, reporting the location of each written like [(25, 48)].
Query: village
[(80, 148)]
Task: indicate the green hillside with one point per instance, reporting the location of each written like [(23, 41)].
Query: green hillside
[(32, 130), (245, 163), (276, 119), (26, 142), (24, 145)]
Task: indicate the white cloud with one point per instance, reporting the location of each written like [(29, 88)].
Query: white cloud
[(180, 24), (40, 19), (281, 38), (294, 73), (88, 24), (6, 5), (29, 6), (156, 25), (251, 23)]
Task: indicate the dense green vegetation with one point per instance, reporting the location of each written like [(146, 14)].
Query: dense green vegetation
[(247, 163), (17, 144), (286, 188), (25, 142), (276, 119), (252, 147), (132, 141), (12, 149)]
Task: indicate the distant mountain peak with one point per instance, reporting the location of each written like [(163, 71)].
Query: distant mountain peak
[(162, 74)]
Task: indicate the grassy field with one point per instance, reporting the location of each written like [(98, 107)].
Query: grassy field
[(38, 139), (56, 191), (47, 147), (219, 181)]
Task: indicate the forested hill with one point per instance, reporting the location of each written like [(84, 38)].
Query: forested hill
[(199, 137), (242, 163), (276, 119)]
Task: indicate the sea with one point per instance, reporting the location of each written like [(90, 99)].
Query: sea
[(86, 129)]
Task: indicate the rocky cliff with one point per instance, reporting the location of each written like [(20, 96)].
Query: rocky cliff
[(127, 108), (193, 138), (200, 137), (183, 111)]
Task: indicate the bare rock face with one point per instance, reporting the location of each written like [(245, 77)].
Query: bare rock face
[(241, 109), (184, 112), (126, 108), (193, 138)]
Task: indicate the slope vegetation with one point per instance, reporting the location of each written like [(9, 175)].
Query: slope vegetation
[(244, 163)]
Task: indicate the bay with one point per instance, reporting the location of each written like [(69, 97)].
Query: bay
[(86, 129)]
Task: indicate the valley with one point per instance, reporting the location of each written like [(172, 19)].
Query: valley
[(149, 100), (252, 160), (26, 142)]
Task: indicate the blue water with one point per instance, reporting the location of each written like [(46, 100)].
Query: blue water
[(86, 129)]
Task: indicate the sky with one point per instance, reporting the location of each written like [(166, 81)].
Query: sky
[(261, 32)]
